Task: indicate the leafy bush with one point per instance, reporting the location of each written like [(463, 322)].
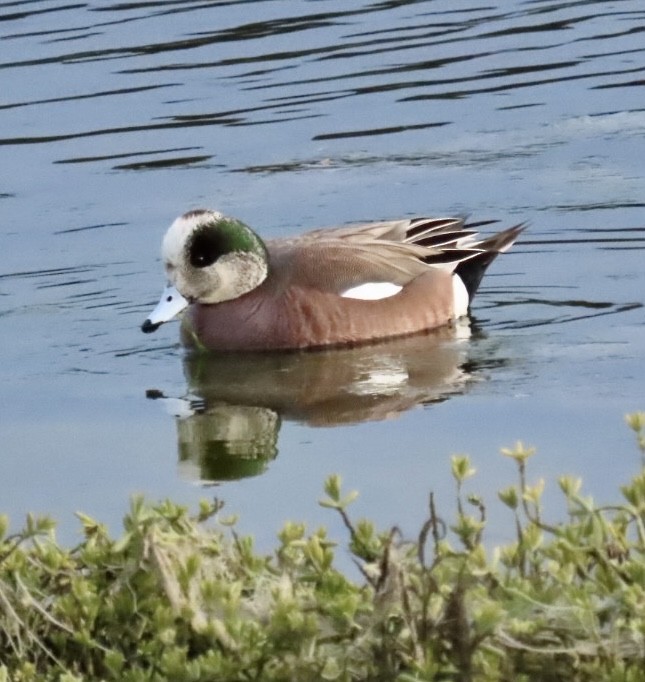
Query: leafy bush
[(184, 597)]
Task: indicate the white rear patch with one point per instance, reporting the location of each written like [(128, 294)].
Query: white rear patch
[(372, 291), (174, 241), (460, 299)]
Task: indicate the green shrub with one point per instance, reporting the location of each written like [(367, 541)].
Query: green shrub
[(184, 597)]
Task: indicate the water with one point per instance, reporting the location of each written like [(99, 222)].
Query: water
[(116, 117)]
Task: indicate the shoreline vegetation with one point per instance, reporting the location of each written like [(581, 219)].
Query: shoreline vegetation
[(183, 596)]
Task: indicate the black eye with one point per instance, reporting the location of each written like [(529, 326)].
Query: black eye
[(205, 248)]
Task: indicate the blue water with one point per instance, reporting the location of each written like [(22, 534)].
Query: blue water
[(116, 117)]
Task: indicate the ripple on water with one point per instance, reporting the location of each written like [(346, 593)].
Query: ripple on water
[(293, 115)]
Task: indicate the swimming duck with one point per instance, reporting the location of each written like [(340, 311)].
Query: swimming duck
[(329, 287)]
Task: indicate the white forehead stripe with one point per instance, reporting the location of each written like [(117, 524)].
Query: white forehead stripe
[(372, 291), (174, 241)]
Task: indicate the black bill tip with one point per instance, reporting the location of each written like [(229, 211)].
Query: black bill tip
[(147, 327)]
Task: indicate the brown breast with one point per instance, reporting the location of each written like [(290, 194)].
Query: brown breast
[(295, 317)]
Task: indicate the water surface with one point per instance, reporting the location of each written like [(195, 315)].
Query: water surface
[(116, 117)]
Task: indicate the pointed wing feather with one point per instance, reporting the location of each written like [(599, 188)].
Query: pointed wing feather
[(336, 259)]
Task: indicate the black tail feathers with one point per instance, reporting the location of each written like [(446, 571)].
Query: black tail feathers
[(471, 270)]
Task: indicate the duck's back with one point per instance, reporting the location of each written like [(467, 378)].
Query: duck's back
[(309, 298)]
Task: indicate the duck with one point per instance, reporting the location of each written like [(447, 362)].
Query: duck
[(337, 286)]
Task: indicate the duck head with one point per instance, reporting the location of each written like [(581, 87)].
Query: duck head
[(208, 258)]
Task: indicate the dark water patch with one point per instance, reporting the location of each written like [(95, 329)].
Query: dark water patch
[(146, 349), (110, 301), (68, 283), (590, 235), (44, 139), (623, 248), (37, 34), (440, 27), (600, 206), (235, 117), (126, 155), (346, 48), (89, 227), (226, 118), (83, 31), (453, 159), (616, 34), (424, 65), (458, 94), (243, 32), (75, 57), (610, 230), (135, 308), (166, 6), (517, 288), (84, 370), (74, 280), (625, 84), (92, 95), (613, 53), (529, 68), (157, 164), (27, 13), (617, 112), (404, 41), (379, 131), (95, 306), (511, 107), (600, 309), (53, 272), (397, 38), (231, 61), (105, 293), (261, 28), (286, 167), (568, 303), (80, 36), (512, 72), (269, 121), (255, 74), (371, 48), (558, 242), (127, 274), (548, 27)]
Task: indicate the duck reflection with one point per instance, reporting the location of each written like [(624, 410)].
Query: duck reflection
[(229, 427)]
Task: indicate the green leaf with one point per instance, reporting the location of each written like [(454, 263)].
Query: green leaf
[(509, 496), (332, 487), (520, 453), (461, 469)]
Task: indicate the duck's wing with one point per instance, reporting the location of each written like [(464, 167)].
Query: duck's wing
[(340, 260), (396, 252), (424, 231), (337, 265)]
